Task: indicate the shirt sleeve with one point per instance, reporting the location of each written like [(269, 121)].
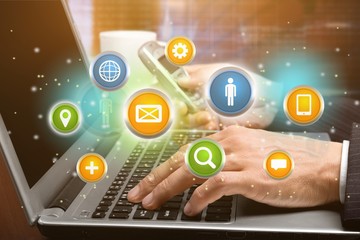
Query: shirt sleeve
[(343, 170)]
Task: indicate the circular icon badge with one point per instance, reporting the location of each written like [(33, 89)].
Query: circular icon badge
[(109, 70), (205, 158), (230, 91), (148, 113), (278, 165), (91, 167), (65, 118), (304, 105), (180, 50)]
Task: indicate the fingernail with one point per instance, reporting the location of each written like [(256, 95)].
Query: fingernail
[(134, 192), (148, 199), (187, 209)]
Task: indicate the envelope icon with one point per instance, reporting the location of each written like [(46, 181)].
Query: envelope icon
[(148, 113)]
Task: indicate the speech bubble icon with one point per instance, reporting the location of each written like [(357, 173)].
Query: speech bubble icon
[(278, 163)]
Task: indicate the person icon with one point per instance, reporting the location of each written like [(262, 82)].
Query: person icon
[(105, 110), (230, 92)]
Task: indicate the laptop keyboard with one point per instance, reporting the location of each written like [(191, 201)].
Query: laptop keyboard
[(142, 160)]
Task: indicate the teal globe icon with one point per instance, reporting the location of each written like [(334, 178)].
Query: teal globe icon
[(109, 71)]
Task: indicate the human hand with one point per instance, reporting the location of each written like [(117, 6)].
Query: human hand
[(314, 180), (207, 119)]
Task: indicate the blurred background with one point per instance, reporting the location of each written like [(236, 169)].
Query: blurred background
[(309, 41)]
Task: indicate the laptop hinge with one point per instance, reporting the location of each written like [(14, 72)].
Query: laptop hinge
[(68, 194)]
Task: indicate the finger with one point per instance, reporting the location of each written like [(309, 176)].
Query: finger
[(225, 183), (181, 107), (176, 183), (156, 176)]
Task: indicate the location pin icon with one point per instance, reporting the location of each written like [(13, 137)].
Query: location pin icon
[(65, 116)]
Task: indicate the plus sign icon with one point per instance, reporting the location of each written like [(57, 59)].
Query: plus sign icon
[(91, 167)]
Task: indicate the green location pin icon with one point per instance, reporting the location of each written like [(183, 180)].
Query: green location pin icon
[(65, 118)]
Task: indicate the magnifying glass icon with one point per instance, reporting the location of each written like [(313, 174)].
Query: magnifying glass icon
[(208, 161)]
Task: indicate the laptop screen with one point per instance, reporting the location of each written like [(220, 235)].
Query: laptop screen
[(41, 65)]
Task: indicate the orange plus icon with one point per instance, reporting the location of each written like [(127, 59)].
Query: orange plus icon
[(91, 167)]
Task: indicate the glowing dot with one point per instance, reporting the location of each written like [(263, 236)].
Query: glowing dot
[(36, 50), (304, 48), (68, 80), (337, 49), (356, 102), (336, 75), (36, 137), (11, 30), (40, 89), (294, 49), (291, 196), (194, 179), (267, 193), (79, 60), (15, 113), (59, 84), (293, 192), (54, 160), (61, 201), (213, 55), (55, 79), (92, 103), (68, 61), (322, 74), (14, 58), (33, 89), (288, 123), (336, 179), (206, 187), (252, 186), (243, 34), (171, 169), (107, 177), (332, 130), (330, 103), (288, 64), (40, 116), (77, 85), (288, 22), (348, 55), (260, 66), (348, 196), (9, 132), (267, 52)]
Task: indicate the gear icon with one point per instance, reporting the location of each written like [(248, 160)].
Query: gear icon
[(180, 50)]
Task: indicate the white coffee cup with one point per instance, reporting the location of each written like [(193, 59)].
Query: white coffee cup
[(127, 43)]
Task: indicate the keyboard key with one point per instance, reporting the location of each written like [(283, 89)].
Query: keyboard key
[(124, 203), (221, 204), (124, 209), (217, 218), (171, 205), (123, 196), (218, 210), (117, 183), (115, 187), (105, 203), (176, 199), (123, 174), (196, 218), (143, 214), (109, 197), (112, 192), (102, 209), (98, 215), (167, 214), (119, 215)]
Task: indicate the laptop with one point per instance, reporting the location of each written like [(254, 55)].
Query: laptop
[(43, 63)]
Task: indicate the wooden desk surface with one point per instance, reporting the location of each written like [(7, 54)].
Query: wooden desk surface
[(13, 224)]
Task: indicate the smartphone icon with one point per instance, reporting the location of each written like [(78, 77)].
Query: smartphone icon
[(303, 104)]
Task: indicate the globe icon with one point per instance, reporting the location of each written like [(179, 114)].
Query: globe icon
[(109, 71)]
